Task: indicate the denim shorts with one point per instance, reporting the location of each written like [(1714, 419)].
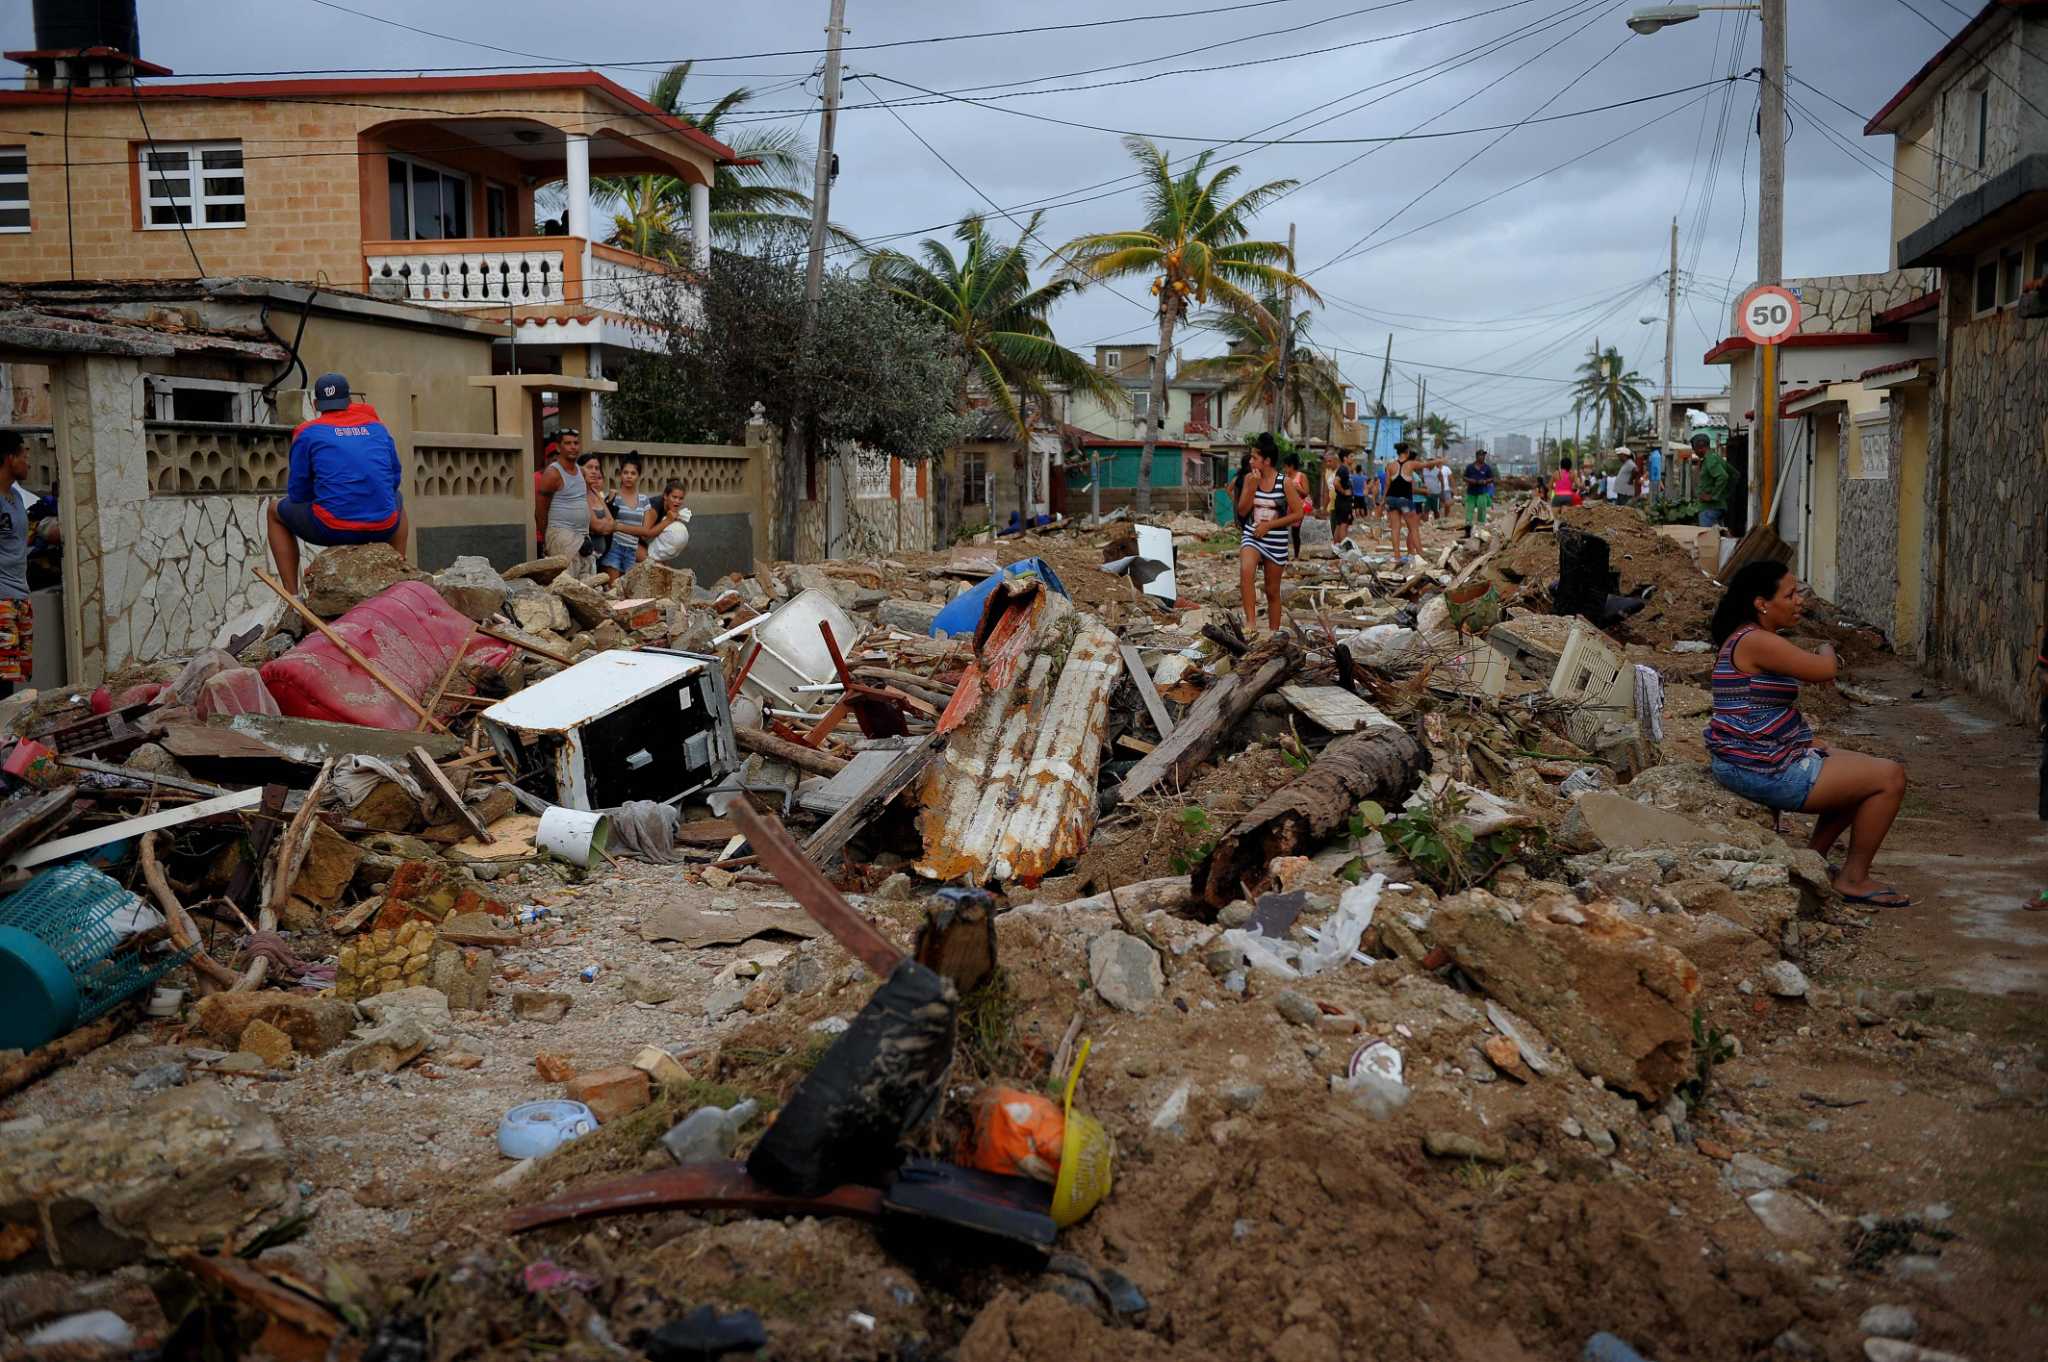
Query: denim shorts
[(1400, 503), (624, 552), (1786, 790)]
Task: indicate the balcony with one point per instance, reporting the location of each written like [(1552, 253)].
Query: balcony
[(522, 276)]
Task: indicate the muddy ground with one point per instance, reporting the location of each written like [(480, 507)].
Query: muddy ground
[(1273, 1218)]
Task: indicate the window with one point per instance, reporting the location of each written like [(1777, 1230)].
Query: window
[(973, 476), (1112, 360), (1141, 405), (1198, 409), (1986, 296), (2010, 276), (1983, 124), (1873, 444), (2040, 270), (192, 184), (497, 210), (427, 202), (870, 474), (204, 399), (13, 189)]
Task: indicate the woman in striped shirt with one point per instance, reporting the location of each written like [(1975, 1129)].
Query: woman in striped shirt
[(1268, 507), (1762, 748)]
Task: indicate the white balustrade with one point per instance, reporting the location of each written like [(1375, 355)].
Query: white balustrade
[(466, 278)]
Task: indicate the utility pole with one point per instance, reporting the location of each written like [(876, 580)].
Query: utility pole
[(814, 274), (1286, 336), (1770, 156), (1386, 370), (1670, 331)]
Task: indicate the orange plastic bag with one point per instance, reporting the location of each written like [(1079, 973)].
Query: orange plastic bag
[(1015, 1133)]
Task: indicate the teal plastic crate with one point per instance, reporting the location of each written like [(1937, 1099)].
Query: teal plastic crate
[(59, 966)]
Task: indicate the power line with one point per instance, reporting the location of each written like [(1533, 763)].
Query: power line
[(1979, 60)]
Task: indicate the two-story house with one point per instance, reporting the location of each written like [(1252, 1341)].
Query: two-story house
[(1969, 461)]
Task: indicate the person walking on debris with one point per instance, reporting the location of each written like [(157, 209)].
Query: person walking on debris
[(561, 502), (342, 487), (1714, 475), (1404, 483), (17, 617), (1299, 485), (629, 509), (1268, 506), (1563, 492), (1338, 486), (1479, 480), (1762, 747)]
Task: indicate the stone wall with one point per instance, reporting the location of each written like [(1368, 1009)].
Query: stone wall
[(1867, 531), (1988, 489), (1839, 303), (888, 504)]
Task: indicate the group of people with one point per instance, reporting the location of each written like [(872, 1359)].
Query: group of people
[(600, 529), (1639, 477), (344, 488)]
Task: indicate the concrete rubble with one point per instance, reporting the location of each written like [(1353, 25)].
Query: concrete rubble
[(1118, 825)]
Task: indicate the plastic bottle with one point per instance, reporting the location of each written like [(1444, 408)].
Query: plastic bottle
[(708, 1133)]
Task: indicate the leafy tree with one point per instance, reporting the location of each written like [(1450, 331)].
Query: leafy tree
[(1195, 245), (751, 204), (1440, 430), (997, 319), (872, 372), (1266, 359), (1607, 388)]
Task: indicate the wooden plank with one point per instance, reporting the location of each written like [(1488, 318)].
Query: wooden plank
[(135, 827), (1195, 737), (1334, 709), (1162, 722), (434, 700), (488, 632), (436, 781), (349, 651), (798, 872), (795, 753), (107, 768), (829, 840)]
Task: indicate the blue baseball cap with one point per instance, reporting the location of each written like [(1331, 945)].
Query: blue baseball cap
[(330, 392)]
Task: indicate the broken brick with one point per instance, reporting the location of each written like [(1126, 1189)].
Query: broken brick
[(610, 1093)]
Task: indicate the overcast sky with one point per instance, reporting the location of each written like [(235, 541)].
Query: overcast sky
[(1516, 279)]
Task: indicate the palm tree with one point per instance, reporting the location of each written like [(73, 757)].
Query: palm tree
[(751, 204), (1606, 385), (997, 317), (1264, 360), (1195, 244), (1440, 430)]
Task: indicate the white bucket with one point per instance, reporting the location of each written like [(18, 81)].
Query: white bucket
[(573, 835)]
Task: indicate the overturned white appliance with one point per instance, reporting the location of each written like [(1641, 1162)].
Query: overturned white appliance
[(647, 724)]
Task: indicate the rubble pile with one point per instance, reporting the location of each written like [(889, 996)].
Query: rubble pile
[(1015, 955)]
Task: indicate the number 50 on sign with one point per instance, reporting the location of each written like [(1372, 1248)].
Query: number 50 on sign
[(1768, 314)]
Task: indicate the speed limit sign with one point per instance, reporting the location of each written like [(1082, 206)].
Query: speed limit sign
[(1768, 314)]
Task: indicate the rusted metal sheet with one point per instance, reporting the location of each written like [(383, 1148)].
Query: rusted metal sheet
[(1015, 794)]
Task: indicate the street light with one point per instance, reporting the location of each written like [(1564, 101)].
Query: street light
[(1648, 21)]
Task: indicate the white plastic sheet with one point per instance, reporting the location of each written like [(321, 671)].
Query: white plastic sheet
[(1340, 937)]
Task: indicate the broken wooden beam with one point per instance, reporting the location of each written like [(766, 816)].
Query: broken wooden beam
[(115, 832), (1212, 717), (1380, 763), (437, 784), (26, 1067), (1148, 694), (828, 841), (795, 753)]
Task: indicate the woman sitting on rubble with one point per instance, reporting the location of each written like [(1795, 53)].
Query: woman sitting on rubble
[(1762, 747), (1268, 506)]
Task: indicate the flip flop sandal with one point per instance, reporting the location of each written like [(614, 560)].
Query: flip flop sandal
[(1882, 898)]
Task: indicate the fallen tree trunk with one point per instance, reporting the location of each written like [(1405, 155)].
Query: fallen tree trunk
[(26, 1068), (796, 754), (1212, 717), (1381, 763)]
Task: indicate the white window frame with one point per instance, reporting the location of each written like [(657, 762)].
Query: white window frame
[(468, 197), (973, 474), (870, 474), (1873, 436), (10, 177), (1988, 260), (1112, 360), (162, 389), (192, 181)]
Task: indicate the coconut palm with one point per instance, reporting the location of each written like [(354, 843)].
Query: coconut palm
[(998, 319), (1266, 359), (1607, 386), (1195, 244), (752, 204), (1440, 430)]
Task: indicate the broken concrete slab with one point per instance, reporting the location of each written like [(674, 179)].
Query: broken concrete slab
[(587, 605), (312, 741), (389, 1048), (697, 928), (541, 570), (1613, 822), (340, 579), (658, 581), (427, 1006), (187, 1169), (1603, 989), (471, 585), (1125, 971)]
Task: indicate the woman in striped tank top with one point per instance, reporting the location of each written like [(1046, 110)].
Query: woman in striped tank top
[(1762, 747), (1268, 507)]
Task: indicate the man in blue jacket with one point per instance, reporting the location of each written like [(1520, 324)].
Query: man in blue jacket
[(343, 485)]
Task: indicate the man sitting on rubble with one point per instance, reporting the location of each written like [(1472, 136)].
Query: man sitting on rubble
[(343, 484)]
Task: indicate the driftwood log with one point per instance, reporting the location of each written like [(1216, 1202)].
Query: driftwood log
[(212, 974), (794, 753), (1211, 718), (1381, 763)]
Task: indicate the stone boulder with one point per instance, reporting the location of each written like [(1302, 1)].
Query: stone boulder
[(313, 1024), (539, 612), (658, 581), (187, 1169), (1611, 822), (1690, 789), (341, 579), (587, 605), (541, 570), (470, 584), (1604, 989)]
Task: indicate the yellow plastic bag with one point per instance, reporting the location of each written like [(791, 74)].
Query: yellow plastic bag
[(1086, 1156)]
